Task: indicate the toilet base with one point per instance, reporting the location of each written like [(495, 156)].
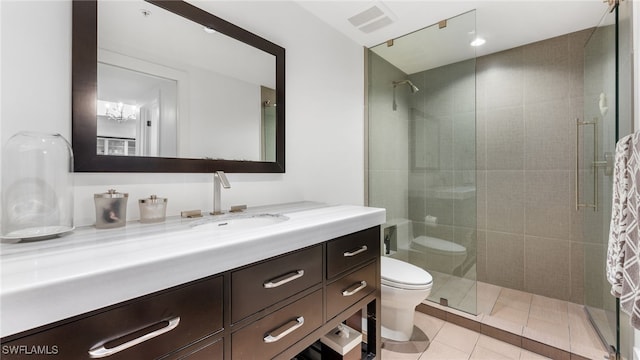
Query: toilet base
[(397, 324)]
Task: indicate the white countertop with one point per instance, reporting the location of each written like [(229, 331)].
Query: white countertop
[(87, 269)]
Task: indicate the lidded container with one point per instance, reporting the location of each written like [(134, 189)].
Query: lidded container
[(152, 209), (37, 186), (111, 209)]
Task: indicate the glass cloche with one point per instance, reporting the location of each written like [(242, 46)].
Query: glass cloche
[(37, 186)]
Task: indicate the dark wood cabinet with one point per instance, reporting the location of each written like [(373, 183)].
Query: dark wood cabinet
[(274, 333), (272, 309), (144, 329), (350, 288), (259, 286), (350, 250), (204, 350)]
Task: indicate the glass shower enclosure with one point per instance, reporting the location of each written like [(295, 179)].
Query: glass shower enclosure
[(607, 118), (422, 153)]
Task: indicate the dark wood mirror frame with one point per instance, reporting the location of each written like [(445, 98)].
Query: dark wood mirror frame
[(84, 90)]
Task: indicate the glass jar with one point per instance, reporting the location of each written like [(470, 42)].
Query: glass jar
[(37, 186), (152, 209), (111, 209)]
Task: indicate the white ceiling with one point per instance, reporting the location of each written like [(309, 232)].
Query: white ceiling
[(503, 24)]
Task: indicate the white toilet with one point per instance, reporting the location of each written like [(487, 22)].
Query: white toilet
[(404, 286), (425, 251), (437, 254)]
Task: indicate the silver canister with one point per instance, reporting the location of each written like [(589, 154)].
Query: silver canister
[(111, 209), (152, 209)]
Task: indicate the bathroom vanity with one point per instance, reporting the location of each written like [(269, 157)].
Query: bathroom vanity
[(176, 290)]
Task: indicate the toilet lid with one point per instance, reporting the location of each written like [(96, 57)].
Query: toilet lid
[(403, 275), (439, 244)]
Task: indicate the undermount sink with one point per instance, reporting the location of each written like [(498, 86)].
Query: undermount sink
[(238, 222)]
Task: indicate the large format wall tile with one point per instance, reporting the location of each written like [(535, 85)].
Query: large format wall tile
[(547, 271), (547, 145), (546, 70), (505, 256), (548, 203), (505, 201), (577, 273), (527, 101), (388, 189), (501, 75), (505, 139), (577, 42)]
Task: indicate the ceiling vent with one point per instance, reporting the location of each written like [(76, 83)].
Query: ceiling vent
[(373, 18)]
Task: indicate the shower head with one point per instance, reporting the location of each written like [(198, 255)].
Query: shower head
[(414, 89)]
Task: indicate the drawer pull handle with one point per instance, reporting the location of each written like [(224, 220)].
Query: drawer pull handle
[(354, 253), (363, 284), (102, 351), (274, 283), (271, 339)]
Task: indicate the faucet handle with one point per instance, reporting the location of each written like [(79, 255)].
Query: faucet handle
[(237, 208)]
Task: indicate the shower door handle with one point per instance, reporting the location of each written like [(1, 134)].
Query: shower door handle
[(579, 204), (607, 164)]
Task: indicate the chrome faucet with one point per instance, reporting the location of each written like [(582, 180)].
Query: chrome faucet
[(218, 178)]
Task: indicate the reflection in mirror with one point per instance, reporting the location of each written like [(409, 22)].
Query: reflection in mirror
[(222, 77), (268, 128), (136, 113), (164, 86)]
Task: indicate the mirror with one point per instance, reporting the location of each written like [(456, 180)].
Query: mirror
[(164, 86)]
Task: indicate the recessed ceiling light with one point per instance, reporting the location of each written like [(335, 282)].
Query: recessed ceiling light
[(478, 42), (208, 30)]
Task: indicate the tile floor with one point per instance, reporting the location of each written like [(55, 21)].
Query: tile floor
[(534, 318), (451, 342)]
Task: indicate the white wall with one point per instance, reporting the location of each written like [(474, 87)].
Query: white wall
[(324, 107), (224, 117)]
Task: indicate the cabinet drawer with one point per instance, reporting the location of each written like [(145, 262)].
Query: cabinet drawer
[(208, 350), (347, 290), (348, 251), (168, 321), (264, 284), (274, 333)]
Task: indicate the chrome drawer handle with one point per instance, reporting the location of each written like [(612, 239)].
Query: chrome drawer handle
[(361, 250), (271, 339), (363, 284), (274, 283), (101, 351)]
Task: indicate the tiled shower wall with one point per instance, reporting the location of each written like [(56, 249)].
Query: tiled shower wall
[(443, 125), (388, 165), (529, 233)]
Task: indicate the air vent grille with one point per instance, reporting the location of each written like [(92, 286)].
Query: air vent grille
[(372, 18)]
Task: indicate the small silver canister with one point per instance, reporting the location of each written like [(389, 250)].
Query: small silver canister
[(111, 209), (152, 209)]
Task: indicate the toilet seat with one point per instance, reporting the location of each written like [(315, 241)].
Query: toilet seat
[(402, 275), (439, 245)]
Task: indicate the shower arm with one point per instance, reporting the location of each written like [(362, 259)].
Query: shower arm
[(414, 89)]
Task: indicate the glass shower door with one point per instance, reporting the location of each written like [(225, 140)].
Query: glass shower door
[(596, 138), (422, 153)]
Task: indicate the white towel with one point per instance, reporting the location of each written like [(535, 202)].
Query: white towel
[(623, 254)]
